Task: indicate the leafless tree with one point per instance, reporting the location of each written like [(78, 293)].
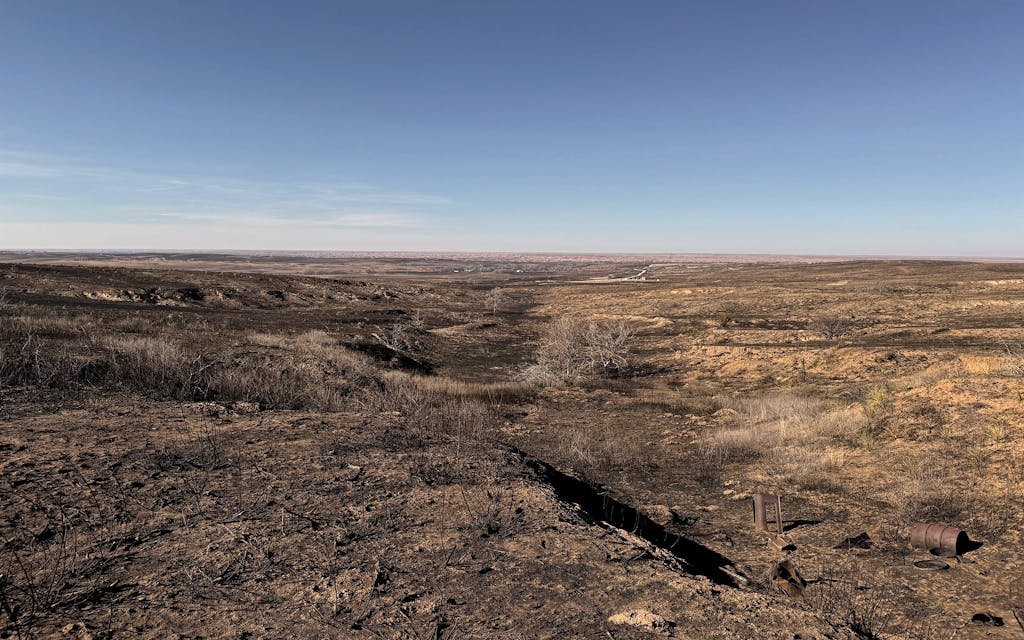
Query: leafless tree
[(832, 327), (496, 299)]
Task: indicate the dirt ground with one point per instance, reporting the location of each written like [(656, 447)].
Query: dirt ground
[(354, 447)]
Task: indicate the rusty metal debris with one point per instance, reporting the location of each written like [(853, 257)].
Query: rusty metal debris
[(987, 619), (783, 575), (762, 502), (938, 539), (781, 543)]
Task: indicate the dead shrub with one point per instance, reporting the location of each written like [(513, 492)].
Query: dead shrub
[(25, 360), (832, 327), (574, 349), (156, 365)]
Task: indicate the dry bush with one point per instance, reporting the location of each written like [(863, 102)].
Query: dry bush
[(832, 327), (839, 593), (573, 349), (26, 361), (495, 300), (155, 365)]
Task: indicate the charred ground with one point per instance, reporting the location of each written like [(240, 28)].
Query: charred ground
[(240, 450)]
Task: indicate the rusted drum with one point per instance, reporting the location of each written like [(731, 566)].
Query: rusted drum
[(939, 539)]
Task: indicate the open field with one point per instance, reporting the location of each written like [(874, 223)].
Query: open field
[(388, 447)]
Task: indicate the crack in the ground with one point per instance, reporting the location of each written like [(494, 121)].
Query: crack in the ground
[(600, 507)]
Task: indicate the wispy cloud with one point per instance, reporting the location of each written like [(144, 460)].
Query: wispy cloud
[(114, 191), (382, 220)]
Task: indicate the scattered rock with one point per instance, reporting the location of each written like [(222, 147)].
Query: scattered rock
[(659, 514), (245, 407), (643, 619)]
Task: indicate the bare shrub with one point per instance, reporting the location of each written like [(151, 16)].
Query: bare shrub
[(156, 365), (839, 594), (26, 361), (573, 348), (832, 327), (495, 299), (395, 337)]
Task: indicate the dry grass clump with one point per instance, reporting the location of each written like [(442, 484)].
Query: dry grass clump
[(464, 418), (275, 386), (495, 393), (790, 433), (51, 326), (925, 495), (597, 450), (776, 407), (317, 374)]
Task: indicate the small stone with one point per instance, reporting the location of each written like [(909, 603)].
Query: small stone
[(643, 619)]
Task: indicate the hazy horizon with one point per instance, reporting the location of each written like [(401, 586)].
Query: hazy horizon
[(788, 128)]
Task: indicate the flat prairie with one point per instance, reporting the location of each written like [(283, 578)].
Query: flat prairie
[(507, 446)]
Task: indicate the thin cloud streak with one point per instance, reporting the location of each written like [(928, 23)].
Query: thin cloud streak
[(384, 220), (283, 197)]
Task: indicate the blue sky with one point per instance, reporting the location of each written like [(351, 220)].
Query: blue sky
[(720, 126)]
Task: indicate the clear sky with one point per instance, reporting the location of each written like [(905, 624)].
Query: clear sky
[(760, 126)]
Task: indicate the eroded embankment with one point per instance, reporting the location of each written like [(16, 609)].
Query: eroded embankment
[(599, 506)]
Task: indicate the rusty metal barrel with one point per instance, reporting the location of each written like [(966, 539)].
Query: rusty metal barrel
[(939, 539)]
